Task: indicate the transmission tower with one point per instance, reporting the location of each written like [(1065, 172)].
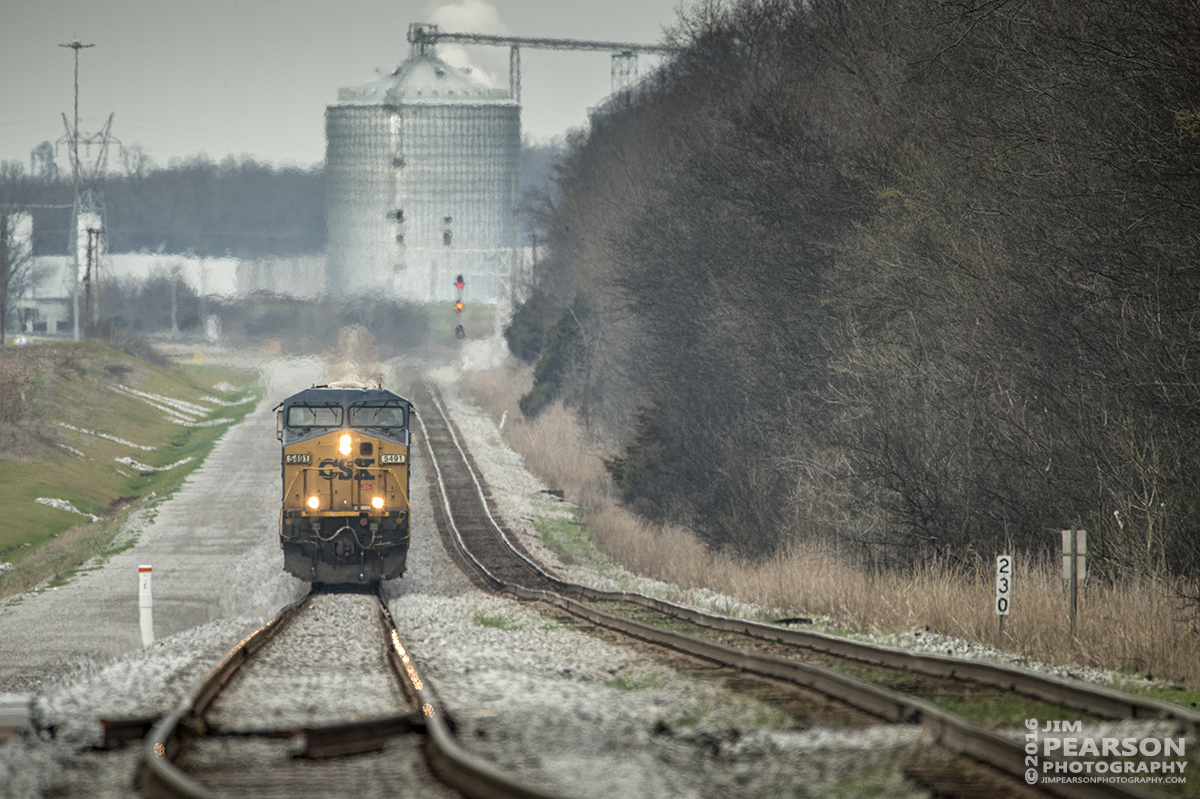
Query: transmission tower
[(88, 213)]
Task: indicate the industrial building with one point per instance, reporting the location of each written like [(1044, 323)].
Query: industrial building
[(421, 184)]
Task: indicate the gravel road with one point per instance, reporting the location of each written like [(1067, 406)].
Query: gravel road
[(565, 709), (206, 544)]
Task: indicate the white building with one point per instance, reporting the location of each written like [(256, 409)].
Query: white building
[(44, 306)]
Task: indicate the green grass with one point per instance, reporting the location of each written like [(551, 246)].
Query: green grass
[(495, 622), (1009, 710), (573, 542), (76, 388), (733, 709), (636, 683), (1184, 697), (870, 781), (110, 538)]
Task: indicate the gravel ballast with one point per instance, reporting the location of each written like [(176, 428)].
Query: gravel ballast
[(564, 709)]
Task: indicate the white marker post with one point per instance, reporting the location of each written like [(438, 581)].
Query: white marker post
[(145, 605), (1004, 580), (1074, 547)]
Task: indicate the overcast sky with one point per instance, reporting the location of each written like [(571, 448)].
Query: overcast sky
[(254, 76)]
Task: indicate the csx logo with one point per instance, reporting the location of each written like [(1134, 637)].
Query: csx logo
[(346, 469)]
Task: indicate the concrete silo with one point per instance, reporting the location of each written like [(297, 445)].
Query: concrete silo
[(421, 176)]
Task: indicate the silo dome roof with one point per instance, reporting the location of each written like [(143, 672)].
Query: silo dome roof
[(423, 79)]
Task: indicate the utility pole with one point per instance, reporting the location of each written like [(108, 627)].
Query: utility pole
[(76, 45), (87, 288), (88, 190), (93, 304), (3, 275)]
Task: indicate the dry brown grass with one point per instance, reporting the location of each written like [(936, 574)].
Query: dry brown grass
[(23, 436), (1135, 625), (60, 559)]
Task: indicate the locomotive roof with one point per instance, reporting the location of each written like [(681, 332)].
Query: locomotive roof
[(328, 395)]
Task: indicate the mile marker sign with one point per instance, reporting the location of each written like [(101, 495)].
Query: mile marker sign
[(1004, 575)]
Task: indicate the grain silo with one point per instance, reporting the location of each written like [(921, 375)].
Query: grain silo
[(421, 176)]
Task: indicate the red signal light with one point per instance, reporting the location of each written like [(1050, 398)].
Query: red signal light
[(458, 282), (458, 306)]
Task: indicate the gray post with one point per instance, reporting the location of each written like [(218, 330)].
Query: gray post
[(174, 320), (3, 275), (514, 73), (1074, 583), (1074, 547)]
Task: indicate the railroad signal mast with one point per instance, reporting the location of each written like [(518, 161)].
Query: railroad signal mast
[(424, 39), (459, 285)]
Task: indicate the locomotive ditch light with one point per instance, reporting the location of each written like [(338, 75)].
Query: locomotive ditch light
[(377, 503), (314, 502), (344, 444)]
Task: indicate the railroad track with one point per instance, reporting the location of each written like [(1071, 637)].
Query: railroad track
[(777, 652), (223, 731)]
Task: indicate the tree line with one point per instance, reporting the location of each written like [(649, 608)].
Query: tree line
[(907, 278), (241, 207)]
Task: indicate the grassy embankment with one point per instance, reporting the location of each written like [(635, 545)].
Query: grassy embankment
[(46, 387), (1135, 626)]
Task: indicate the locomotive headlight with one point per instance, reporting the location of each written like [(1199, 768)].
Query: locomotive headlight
[(344, 445), (314, 502), (377, 503)]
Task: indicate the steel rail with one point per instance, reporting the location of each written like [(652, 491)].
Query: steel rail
[(456, 767), (161, 776), (948, 729), (1100, 700), (1096, 699), (467, 773)]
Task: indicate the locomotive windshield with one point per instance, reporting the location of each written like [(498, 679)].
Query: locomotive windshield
[(376, 416), (303, 416)]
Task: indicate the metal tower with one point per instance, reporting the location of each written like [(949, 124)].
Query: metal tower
[(424, 37), (624, 69), (87, 218)]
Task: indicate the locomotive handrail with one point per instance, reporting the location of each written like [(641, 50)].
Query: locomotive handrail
[(402, 487)]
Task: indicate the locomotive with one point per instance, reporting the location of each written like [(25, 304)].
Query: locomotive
[(345, 510)]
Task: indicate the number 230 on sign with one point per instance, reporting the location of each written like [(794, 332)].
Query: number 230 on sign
[(1004, 574)]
